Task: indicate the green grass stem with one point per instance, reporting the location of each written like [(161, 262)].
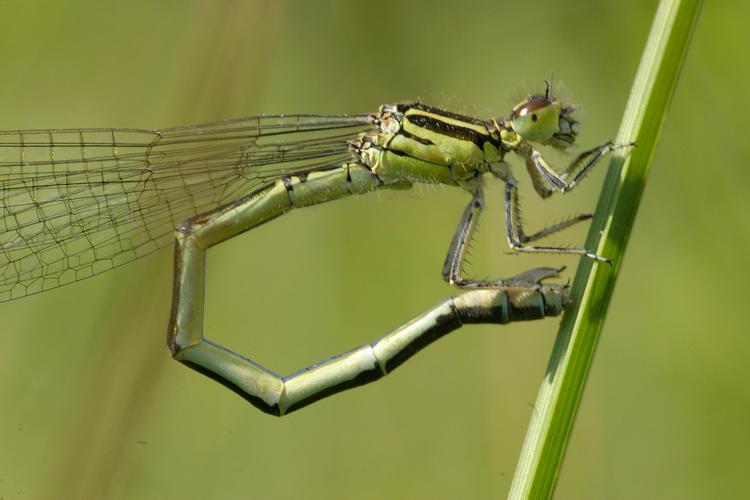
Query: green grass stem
[(560, 394)]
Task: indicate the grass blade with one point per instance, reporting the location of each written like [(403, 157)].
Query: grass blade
[(560, 394)]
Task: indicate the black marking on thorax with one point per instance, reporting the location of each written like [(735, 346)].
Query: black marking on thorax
[(451, 130), (437, 111), (415, 138)]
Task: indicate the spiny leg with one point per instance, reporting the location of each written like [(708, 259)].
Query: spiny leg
[(453, 266), (583, 164), (559, 226), (546, 181), (516, 221), (454, 260), (514, 230)]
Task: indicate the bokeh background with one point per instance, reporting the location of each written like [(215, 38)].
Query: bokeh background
[(92, 406)]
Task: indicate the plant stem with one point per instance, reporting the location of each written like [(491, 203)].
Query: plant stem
[(560, 394)]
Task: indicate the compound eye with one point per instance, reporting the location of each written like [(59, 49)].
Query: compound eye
[(536, 118), (530, 107)]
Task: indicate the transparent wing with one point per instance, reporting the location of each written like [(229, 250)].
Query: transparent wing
[(74, 203)]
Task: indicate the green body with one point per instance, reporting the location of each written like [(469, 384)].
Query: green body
[(80, 202), (420, 144), (412, 144)]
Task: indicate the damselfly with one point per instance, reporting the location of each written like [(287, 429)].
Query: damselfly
[(79, 202)]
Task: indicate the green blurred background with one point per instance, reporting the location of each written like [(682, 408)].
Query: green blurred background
[(92, 406)]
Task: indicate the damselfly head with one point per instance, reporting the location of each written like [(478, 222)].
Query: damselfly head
[(544, 119)]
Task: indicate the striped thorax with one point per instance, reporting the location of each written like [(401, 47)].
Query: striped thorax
[(421, 144)]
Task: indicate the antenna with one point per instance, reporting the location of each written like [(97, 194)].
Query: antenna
[(548, 88)]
